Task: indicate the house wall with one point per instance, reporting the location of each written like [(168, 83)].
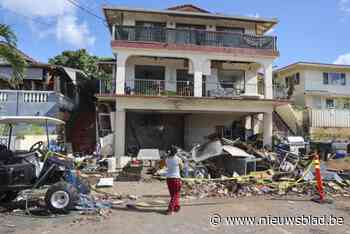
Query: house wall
[(129, 19), (20, 103), (198, 126), (314, 82), (30, 73)]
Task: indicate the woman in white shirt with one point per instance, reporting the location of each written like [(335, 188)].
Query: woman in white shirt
[(173, 164)]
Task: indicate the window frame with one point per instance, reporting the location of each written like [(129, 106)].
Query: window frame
[(328, 106), (161, 77), (334, 78)]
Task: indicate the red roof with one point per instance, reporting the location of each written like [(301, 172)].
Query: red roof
[(187, 7)]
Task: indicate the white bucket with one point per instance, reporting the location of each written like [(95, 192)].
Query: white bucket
[(112, 164)]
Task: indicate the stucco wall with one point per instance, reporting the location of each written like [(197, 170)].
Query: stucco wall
[(314, 82)]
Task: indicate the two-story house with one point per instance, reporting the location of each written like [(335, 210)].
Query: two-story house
[(323, 91), (45, 90), (184, 73)]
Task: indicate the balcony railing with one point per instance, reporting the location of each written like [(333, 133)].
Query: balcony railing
[(35, 97), (280, 92), (332, 118), (194, 37), (148, 87)]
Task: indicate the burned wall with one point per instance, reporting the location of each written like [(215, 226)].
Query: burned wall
[(152, 130)]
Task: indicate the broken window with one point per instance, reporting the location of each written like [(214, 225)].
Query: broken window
[(232, 79)]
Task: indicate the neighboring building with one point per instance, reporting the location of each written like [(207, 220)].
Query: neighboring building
[(46, 90), (184, 73), (323, 90)]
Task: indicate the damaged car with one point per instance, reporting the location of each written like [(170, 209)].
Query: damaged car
[(35, 167)]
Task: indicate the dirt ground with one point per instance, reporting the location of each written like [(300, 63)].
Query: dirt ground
[(193, 218)]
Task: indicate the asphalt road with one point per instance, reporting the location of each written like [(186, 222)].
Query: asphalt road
[(194, 217)]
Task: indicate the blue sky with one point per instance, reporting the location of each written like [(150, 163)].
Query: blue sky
[(309, 30)]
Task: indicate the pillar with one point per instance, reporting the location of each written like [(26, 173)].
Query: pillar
[(119, 135), (198, 82), (120, 74), (199, 66), (268, 81), (267, 140), (251, 83)]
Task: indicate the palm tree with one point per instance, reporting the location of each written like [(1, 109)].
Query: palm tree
[(8, 53)]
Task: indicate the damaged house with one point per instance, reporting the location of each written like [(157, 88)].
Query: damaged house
[(46, 90), (184, 73)]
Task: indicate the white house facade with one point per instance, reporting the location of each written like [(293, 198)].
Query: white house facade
[(322, 89), (188, 62)]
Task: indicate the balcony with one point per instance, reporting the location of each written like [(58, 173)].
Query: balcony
[(26, 102), (148, 87), (194, 37)]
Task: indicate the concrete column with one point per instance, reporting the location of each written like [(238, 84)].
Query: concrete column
[(267, 128), (198, 81), (251, 83), (120, 74), (119, 134), (268, 81), (113, 32)]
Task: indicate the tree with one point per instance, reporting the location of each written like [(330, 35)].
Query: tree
[(79, 59), (8, 53)]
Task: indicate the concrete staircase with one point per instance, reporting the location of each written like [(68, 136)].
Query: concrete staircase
[(291, 118)]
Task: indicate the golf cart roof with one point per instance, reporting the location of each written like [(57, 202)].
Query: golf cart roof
[(30, 120)]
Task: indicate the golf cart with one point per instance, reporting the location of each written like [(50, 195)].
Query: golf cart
[(36, 166)]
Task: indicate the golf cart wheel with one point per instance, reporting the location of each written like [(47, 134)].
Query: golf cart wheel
[(9, 196), (61, 197)]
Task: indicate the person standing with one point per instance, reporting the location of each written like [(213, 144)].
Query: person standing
[(174, 183)]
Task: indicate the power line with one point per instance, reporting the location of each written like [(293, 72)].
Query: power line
[(86, 10)]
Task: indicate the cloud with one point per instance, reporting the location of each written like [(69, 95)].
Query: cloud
[(69, 29), (343, 59), (344, 5), (66, 27)]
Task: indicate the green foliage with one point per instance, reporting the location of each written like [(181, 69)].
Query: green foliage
[(30, 129), (79, 59), (9, 53)]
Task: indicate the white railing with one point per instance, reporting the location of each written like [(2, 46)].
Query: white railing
[(36, 96), (280, 92), (332, 118), (145, 87), (3, 97)]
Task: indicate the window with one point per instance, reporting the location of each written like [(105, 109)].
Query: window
[(325, 78), (232, 79), (347, 105), (330, 103), (334, 78), (297, 78), (343, 79), (149, 72), (229, 29)]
